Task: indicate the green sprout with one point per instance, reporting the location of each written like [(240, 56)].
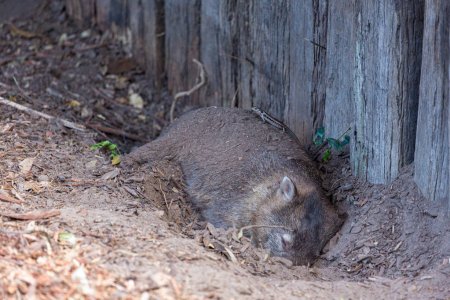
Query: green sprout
[(112, 148), (322, 141)]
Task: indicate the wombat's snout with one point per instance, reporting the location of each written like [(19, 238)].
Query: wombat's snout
[(287, 241), (291, 245)]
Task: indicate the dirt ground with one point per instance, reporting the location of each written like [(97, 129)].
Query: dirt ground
[(74, 226)]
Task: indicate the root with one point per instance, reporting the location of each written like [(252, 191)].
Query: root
[(189, 92)]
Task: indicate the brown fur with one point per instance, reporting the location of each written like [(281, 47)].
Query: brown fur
[(234, 164)]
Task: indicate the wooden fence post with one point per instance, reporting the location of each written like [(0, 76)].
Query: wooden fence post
[(373, 72), (218, 27), (432, 141), (82, 11), (340, 54), (182, 41)]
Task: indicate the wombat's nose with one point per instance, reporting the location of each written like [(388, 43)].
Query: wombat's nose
[(286, 241)]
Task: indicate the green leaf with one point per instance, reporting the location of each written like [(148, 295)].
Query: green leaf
[(100, 145), (345, 141), (326, 155), (319, 136), (334, 144), (111, 148)]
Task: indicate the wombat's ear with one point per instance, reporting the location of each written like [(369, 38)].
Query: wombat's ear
[(287, 188)]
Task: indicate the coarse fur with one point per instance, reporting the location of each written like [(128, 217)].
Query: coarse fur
[(242, 172)]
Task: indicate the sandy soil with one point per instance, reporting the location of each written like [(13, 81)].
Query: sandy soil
[(74, 226)]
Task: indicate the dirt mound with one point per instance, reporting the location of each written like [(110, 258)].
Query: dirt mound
[(392, 230)]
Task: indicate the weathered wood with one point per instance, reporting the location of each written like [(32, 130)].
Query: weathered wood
[(102, 9), (136, 26), (119, 18), (263, 55), (182, 38), (432, 139), (153, 42), (218, 28), (373, 72), (340, 55), (82, 11), (279, 67), (304, 104)]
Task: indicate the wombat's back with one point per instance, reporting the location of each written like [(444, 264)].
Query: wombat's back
[(230, 135)]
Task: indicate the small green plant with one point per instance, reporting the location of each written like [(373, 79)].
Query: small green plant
[(112, 148), (321, 141)]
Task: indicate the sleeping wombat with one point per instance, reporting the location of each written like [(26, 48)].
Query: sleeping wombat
[(240, 171)]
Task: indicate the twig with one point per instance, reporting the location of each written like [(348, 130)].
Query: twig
[(42, 115), (234, 100), (33, 215), (315, 44), (241, 230), (7, 198), (116, 131), (189, 92), (164, 196), (21, 90), (91, 47)]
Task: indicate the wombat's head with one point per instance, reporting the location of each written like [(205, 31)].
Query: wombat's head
[(296, 219)]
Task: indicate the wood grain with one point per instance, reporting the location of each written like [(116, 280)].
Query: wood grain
[(432, 139)]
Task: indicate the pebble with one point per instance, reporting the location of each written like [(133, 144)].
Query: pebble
[(42, 178), (356, 229)]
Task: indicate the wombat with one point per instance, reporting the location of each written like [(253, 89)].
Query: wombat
[(240, 171)]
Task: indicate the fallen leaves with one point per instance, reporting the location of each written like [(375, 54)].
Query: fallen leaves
[(35, 187), (30, 271), (26, 165)]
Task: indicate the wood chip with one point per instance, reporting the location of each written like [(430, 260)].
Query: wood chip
[(131, 191), (7, 198), (32, 215)]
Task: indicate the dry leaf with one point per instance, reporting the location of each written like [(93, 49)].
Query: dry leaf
[(115, 160), (73, 103), (34, 186), (111, 174), (136, 100), (6, 128), (26, 165), (121, 82), (121, 66), (23, 33)]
